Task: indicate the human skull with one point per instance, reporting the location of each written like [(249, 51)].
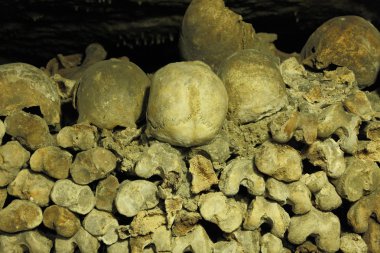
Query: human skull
[(211, 32), (254, 85), (349, 41), (187, 104), (22, 86), (111, 93)]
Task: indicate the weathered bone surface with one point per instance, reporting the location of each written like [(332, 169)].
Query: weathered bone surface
[(62, 220), (351, 243), (371, 236), (203, 174), (134, 196), (160, 240), (51, 160), (20, 215), (29, 129), (193, 180), (102, 225), (34, 241), (226, 246), (328, 155), (211, 32), (159, 159), (254, 85), (111, 93), (241, 172), (360, 178), (197, 240), (2, 131), (279, 161), (31, 186), (106, 193), (3, 197), (34, 89), (349, 41), (13, 157), (72, 67), (218, 149), (271, 244), (187, 104), (247, 240), (324, 226), (77, 198), (82, 239), (360, 213), (92, 164), (78, 137), (261, 210), (326, 196), (296, 194), (228, 215)]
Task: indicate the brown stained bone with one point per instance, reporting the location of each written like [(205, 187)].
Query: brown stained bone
[(92, 164), (360, 213), (31, 186), (130, 144), (349, 41), (20, 215), (159, 240), (2, 131), (73, 66), (33, 87), (254, 85), (111, 93), (106, 192), (13, 157), (203, 174), (359, 104), (146, 222), (52, 161), (78, 137), (184, 222), (372, 235), (31, 130), (3, 197), (62, 220), (211, 32)]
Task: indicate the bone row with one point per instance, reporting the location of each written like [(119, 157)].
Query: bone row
[(238, 141)]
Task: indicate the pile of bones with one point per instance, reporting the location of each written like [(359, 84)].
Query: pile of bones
[(238, 148)]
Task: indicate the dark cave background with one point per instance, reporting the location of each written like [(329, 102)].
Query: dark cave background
[(147, 31)]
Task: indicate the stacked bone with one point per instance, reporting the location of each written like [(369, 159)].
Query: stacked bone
[(252, 118)]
